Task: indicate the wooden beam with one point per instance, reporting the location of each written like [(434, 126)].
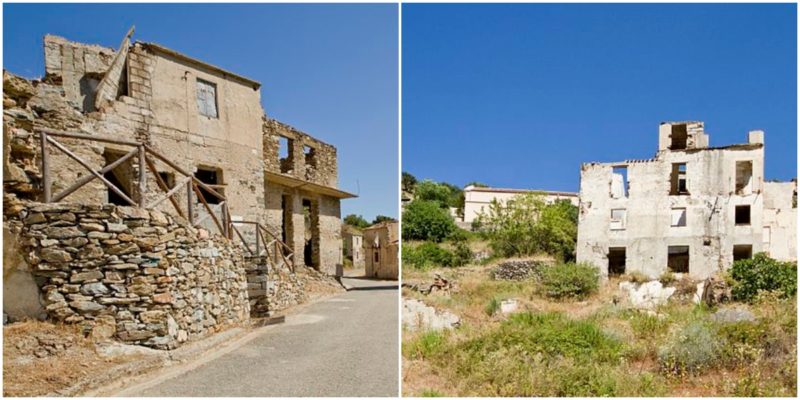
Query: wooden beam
[(142, 177), (208, 208), (96, 138), (161, 184), (171, 192), (87, 166), (45, 168), (87, 178)]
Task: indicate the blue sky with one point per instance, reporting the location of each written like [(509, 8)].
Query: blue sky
[(521, 95), (329, 70)]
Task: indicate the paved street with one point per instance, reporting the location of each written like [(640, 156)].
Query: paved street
[(346, 345)]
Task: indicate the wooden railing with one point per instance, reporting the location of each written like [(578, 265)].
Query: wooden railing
[(145, 156), (275, 249)]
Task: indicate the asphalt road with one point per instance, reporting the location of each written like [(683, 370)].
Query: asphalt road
[(346, 345)]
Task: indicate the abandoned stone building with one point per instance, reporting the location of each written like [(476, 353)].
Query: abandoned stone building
[(353, 245), (381, 246), (691, 209), (130, 171), (477, 199)]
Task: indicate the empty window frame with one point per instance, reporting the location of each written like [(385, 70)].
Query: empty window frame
[(678, 259), (207, 98), (742, 216), (744, 177), (678, 184), (742, 251), (679, 137), (617, 219), (286, 154), (678, 217), (619, 182), (377, 257), (616, 261), (310, 155), (213, 178)]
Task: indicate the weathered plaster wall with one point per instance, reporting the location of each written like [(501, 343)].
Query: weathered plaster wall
[(780, 220), (710, 230), (382, 240)]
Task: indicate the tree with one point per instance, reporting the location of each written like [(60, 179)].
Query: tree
[(408, 182), (526, 225), (381, 218), (426, 220), (476, 184), (356, 220), (429, 190)]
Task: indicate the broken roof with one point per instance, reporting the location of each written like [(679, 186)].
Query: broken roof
[(164, 50)]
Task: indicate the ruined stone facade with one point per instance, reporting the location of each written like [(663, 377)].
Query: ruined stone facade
[(381, 245), (353, 245), (691, 209), (478, 199), (207, 122)]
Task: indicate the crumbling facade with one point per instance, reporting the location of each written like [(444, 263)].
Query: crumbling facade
[(691, 209), (381, 245), (477, 199), (187, 146), (353, 243)]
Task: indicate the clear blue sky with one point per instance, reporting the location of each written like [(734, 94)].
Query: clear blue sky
[(521, 95), (329, 70)]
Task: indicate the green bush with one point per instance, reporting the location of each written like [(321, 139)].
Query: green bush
[(462, 254), (425, 345), (526, 225), (690, 349), (427, 255), (492, 307), (426, 220), (761, 273), (570, 280)]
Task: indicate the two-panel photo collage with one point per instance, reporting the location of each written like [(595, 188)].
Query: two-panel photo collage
[(399, 199)]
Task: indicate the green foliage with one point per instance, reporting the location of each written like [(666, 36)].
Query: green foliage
[(382, 218), (761, 273), (409, 182), (691, 349), (431, 393), (426, 220), (492, 306), (570, 280), (425, 345), (476, 184), (429, 190), (648, 327), (356, 221), (462, 255), (526, 225), (427, 255)]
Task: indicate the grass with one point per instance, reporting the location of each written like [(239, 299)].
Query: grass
[(591, 347)]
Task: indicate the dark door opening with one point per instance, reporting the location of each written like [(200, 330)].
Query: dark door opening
[(742, 252), (211, 177), (678, 259), (119, 177), (616, 261)]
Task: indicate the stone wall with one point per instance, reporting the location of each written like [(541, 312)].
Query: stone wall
[(139, 276), (324, 172)]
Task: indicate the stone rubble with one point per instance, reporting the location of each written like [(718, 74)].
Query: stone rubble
[(646, 296), (419, 316), (518, 270)]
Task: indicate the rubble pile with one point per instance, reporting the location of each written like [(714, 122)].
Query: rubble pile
[(419, 316), (439, 285), (518, 270)]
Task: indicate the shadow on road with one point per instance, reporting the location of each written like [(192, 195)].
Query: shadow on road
[(387, 287)]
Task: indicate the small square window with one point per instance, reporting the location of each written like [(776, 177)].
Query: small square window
[(207, 98), (678, 217), (617, 219), (742, 251), (743, 215)]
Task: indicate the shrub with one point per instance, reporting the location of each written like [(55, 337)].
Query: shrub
[(492, 307), (462, 254), (761, 273), (690, 349), (648, 327), (426, 220), (427, 255), (526, 225), (667, 278), (425, 345), (570, 280)]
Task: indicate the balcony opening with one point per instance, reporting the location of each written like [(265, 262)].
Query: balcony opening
[(678, 259), (742, 251), (678, 184), (744, 177), (616, 261), (743, 215)]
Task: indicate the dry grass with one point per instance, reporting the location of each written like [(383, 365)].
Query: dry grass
[(639, 372), (28, 370)]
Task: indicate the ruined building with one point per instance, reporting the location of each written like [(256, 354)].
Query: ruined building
[(147, 192), (691, 209), (477, 199), (381, 246)]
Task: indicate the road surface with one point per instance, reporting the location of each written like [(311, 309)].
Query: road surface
[(343, 346)]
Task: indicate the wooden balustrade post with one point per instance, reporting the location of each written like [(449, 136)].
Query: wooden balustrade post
[(45, 168), (258, 247), (189, 205), (142, 177)]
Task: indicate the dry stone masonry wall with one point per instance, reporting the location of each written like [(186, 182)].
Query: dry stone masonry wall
[(139, 276)]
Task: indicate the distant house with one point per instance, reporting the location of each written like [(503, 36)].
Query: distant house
[(353, 245), (381, 243), (478, 199)]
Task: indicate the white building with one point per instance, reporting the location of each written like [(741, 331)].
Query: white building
[(478, 199)]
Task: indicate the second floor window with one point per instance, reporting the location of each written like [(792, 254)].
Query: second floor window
[(207, 98)]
